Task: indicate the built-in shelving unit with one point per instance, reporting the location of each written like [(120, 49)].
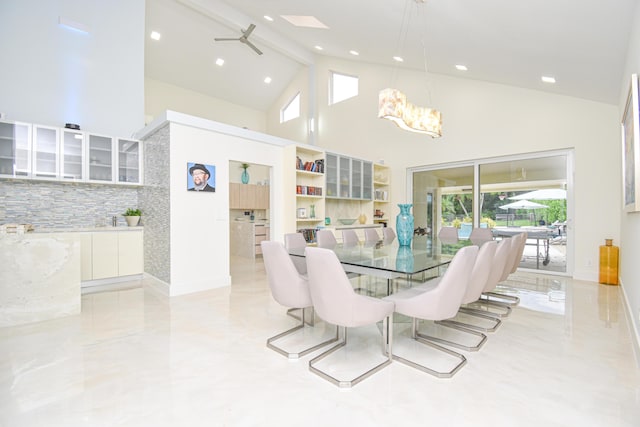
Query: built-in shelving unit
[(381, 185), (310, 193)]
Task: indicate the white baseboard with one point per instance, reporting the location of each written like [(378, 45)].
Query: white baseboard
[(634, 328)]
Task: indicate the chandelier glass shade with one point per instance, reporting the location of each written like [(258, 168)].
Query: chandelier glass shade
[(393, 105)]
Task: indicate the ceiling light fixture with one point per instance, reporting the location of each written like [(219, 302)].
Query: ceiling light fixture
[(267, 80), (398, 59), (460, 67), (354, 52), (219, 62), (155, 35), (268, 18), (318, 47), (547, 79), (393, 105)]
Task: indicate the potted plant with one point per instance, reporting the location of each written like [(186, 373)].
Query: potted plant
[(132, 216)]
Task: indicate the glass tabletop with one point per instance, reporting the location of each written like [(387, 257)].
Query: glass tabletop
[(423, 254)]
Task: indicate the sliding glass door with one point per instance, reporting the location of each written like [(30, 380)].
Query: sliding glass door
[(518, 193)]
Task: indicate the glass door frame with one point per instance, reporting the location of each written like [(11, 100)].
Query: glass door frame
[(569, 153)]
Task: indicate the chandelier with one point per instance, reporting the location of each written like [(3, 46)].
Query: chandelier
[(393, 105)]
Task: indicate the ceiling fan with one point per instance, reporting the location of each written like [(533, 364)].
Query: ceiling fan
[(243, 39)]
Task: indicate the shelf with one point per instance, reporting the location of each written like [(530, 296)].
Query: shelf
[(385, 183), (306, 196), (309, 220)]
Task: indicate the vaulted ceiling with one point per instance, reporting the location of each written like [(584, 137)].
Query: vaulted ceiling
[(581, 43)]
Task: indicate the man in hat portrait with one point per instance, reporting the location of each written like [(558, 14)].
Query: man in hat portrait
[(200, 176)]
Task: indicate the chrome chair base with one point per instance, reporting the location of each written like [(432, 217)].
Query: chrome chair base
[(387, 325), (495, 304), (457, 326), (416, 336), (495, 318), (510, 300), (290, 355)]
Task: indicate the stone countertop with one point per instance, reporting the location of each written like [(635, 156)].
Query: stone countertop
[(353, 226), (76, 230)]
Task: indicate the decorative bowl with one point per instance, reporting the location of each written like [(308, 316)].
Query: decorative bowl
[(346, 221)]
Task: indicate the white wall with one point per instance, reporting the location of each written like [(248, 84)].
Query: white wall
[(630, 222), (52, 75), (481, 120), (199, 221), (160, 96)]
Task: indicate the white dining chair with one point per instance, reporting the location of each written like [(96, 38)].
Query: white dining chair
[(439, 302), (448, 235), (296, 241), (388, 235), (326, 239), (349, 237), (336, 303), (290, 289), (371, 235), (479, 236)]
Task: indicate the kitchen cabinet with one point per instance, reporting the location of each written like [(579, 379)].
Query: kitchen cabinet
[(46, 160), (45, 152), (129, 161), (248, 196), (111, 254), (72, 155), (15, 149), (246, 237), (101, 158)]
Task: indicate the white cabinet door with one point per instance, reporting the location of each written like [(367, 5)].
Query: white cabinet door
[(105, 255), (130, 253), (100, 158), (72, 155), (86, 258), (46, 161), (129, 161), (15, 149)]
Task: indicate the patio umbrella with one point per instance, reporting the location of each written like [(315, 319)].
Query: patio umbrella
[(544, 194), (523, 204)]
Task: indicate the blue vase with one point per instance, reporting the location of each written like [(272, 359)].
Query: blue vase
[(404, 225), (245, 177)]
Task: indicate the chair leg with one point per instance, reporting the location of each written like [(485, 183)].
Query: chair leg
[(272, 346), (511, 300), (490, 303), (439, 374), (476, 313), (457, 326), (386, 350)]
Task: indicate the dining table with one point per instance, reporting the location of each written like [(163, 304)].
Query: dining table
[(390, 260)]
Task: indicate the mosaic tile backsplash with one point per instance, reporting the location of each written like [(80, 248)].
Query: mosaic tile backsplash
[(50, 204)]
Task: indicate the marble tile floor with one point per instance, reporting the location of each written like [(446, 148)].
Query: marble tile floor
[(135, 358)]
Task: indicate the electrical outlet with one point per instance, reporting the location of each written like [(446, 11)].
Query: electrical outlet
[(588, 262), (247, 213)]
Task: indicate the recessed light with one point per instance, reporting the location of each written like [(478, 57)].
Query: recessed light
[(354, 52), (219, 62), (267, 80), (317, 47), (398, 59), (461, 67), (268, 18), (548, 79), (155, 35)]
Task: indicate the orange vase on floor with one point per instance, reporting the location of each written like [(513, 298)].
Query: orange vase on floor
[(609, 255)]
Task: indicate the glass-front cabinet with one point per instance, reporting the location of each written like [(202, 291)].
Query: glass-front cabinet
[(101, 158), (46, 162), (72, 155), (129, 161), (15, 149), (349, 178)]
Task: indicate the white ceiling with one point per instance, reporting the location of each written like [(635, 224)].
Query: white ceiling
[(582, 43)]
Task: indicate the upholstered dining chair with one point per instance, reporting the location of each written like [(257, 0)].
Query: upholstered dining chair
[(388, 234), (371, 235), (290, 289), (448, 235), (477, 282), (518, 243), (336, 303), (437, 303), (349, 237), (502, 261), (326, 239), (296, 241), (479, 236)]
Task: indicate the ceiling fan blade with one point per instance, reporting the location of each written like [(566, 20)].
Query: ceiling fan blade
[(252, 46), (249, 30), (220, 39)]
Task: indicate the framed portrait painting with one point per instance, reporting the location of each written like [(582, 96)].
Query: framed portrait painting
[(630, 131), (201, 177)]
